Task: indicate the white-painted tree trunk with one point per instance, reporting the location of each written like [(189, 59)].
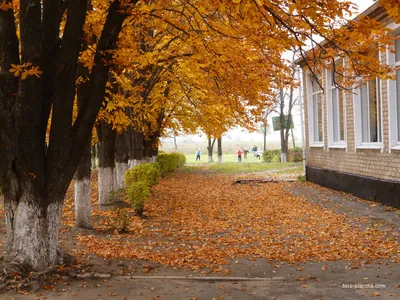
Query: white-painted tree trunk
[(120, 170), (32, 232), (83, 205), (154, 158), (220, 159), (210, 159), (283, 157), (106, 185)]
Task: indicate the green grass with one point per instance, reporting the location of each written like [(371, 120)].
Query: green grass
[(249, 167), (226, 158)]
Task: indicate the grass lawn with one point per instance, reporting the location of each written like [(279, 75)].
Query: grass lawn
[(254, 167), (226, 158)]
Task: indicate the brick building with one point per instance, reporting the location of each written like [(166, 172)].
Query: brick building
[(352, 140)]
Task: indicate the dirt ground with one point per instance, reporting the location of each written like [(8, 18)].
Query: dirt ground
[(250, 275)]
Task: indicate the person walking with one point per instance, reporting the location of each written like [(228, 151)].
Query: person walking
[(198, 153), (245, 152), (239, 154)]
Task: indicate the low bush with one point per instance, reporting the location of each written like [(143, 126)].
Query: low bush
[(138, 192), (302, 178), (169, 162), (148, 172), (121, 221), (140, 179), (295, 155), (271, 156)]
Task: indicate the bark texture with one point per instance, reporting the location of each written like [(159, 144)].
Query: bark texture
[(107, 172), (32, 231), (34, 178), (122, 154), (219, 145)]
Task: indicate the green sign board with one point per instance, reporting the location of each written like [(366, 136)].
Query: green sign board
[(276, 122)]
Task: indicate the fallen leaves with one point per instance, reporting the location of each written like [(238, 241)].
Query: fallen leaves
[(202, 221)]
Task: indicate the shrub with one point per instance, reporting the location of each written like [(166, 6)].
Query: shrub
[(121, 221), (147, 172), (272, 156), (295, 155), (138, 192), (170, 162), (163, 161), (302, 178)]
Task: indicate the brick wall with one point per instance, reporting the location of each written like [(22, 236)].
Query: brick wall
[(378, 163)]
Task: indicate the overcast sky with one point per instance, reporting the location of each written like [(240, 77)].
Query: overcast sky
[(363, 4)]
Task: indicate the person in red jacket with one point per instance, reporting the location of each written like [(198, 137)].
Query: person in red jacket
[(239, 154)]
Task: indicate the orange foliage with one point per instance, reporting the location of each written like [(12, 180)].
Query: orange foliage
[(218, 221)]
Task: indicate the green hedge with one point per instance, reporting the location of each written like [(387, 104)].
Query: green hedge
[(295, 155), (140, 179), (138, 192), (271, 156), (148, 172), (169, 162)]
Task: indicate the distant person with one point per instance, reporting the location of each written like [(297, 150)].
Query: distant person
[(258, 154), (198, 153), (245, 152), (255, 149), (239, 154)]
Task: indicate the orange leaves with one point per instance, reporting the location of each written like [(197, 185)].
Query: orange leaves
[(217, 221), (25, 70), (392, 7)]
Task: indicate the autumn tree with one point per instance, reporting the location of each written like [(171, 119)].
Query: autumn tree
[(35, 179), (233, 48)]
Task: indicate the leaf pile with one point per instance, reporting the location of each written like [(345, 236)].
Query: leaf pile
[(202, 220)]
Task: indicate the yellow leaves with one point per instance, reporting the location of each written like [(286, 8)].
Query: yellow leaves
[(6, 6), (25, 70), (264, 221)]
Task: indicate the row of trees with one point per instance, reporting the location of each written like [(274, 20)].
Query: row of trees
[(132, 70)]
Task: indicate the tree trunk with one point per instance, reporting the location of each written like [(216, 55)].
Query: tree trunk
[(147, 150), (107, 182), (32, 229), (137, 148), (219, 145), (83, 205), (294, 144), (210, 149), (175, 144), (121, 157), (265, 136), (282, 131)]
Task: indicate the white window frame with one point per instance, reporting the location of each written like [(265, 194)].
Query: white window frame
[(358, 121), (342, 144), (394, 120), (310, 106)]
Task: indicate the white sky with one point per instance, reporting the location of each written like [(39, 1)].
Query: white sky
[(363, 4)]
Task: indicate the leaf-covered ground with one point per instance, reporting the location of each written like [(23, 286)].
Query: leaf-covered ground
[(200, 220)]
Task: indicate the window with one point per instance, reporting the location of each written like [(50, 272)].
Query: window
[(367, 113), (315, 109), (394, 97), (336, 110)]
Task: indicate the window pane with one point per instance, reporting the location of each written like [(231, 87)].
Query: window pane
[(341, 115), (315, 118), (373, 111), (319, 97), (335, 116), (398, 102), (315, 86), (364, 113)]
